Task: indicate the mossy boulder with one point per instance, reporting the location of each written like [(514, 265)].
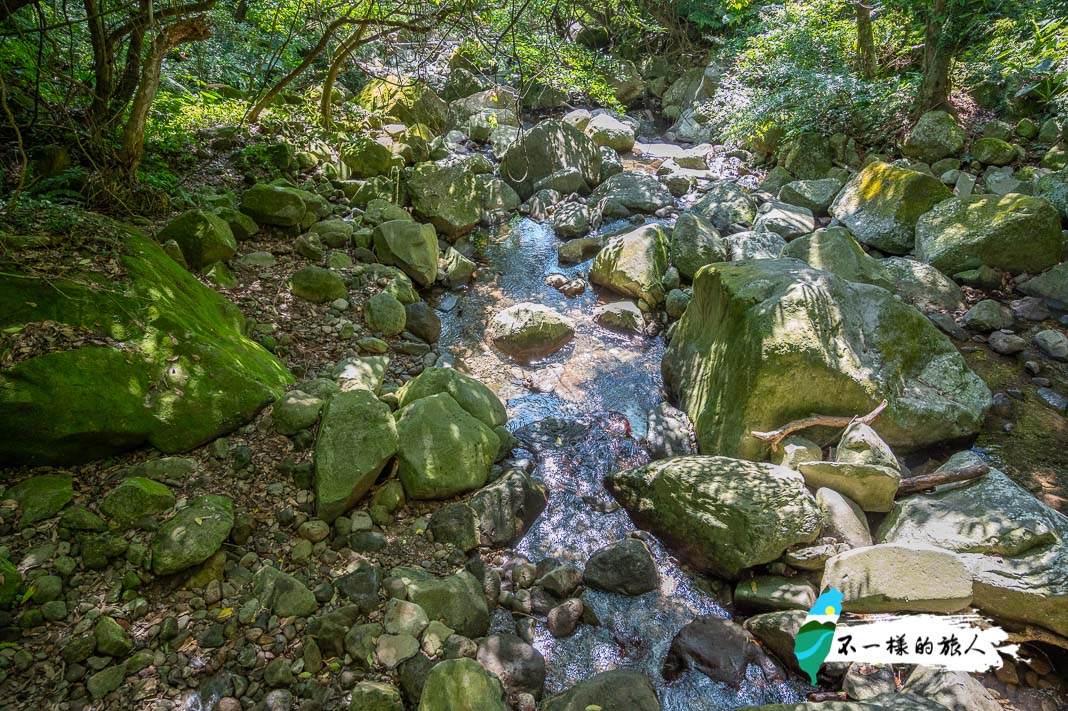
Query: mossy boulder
[(635, 191), (443, 451), (409, 245), (203, 236), (1015, 233), (273, 205), (180, 373), (384, 314), (41, 497), (935, 136), (474, 397), (457, 600), (192, 535), (526, 332), (695, 242), (770, 341), (726, 203), (1051, 285), (994, 151), (550, 146), (808, 157), (367, 158), (358, 436), (721, 515), (461, 684), (446, 197), (136, 498), (833, 249), (882, 204), (633, 264), (1054, 187), (411, 102), (318, 285)]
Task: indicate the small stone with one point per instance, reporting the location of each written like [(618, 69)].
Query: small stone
[(1006, 343), (564, 618), (314, 530), (1053, 343), (111, 638), (626, 567), (104, 682), (278, 672)]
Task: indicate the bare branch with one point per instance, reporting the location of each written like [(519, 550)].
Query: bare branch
[(776, 436)]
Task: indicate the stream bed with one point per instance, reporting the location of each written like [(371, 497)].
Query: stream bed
[(581, 414)]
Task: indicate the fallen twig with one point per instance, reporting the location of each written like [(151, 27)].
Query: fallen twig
[(917, 484), (774, 437)]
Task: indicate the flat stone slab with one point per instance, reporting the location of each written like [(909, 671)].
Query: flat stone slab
[(895, 578)]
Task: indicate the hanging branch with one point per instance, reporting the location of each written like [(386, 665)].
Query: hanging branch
[(916, 484), (774, 437)]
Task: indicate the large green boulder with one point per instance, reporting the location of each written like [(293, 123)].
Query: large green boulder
[(384, 314), (457, 600), (356, 439), (192, 535), (720, 515), (833, 249), (808, 157), (409, 245), (1015, 546), (545, 149), (633, 264), (695, 242), (935, 136), (766, 342), (41, 497), (273, 205), (614, 689), (633, 190), (203, 236), (461, 684), (411, 102), (318, 285), (443, 451), (474, 397), (993, 151), (367, 158), (1015, 233), (882, 204), (726, 203), (170, 366), (136, 498), (526, 332), (446, 196)]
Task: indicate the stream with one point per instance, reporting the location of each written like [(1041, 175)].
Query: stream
[(580, 414)]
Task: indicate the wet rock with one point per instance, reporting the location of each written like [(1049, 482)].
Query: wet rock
[(633, 264), (759, 509), (193, 535), (527, 331), (932, 394), (461, 684), (882, 204), (896, 578), (358, 436), (719, 649), (443, 450), (508, 507), (625, 567), (620, 316), (520, 667), (1014, 233), (615, 689), (771, 592)]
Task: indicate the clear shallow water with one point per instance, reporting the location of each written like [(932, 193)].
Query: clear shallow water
[(580, 413)]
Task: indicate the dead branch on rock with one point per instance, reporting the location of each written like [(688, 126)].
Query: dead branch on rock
[(775, 437), (1037, 634), (917, 484)]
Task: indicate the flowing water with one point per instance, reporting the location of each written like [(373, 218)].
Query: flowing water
[(580, 413)]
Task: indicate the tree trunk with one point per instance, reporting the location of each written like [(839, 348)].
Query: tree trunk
[(865, 39), (349, 46), (103, 62), (938, 52), (171, 36)]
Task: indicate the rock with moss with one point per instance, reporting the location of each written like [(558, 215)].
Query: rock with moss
[(474, 397), (1051, 285), (365, 158), (461, 684), (833, 249), (882, 204), (614, 689), (203, 236), (443, 450), (457, 600), (634, 191), (935, 136), (1054, 187), (318, 285), (411, 102), (409, 245), (1014, 233), (1013, 544), (922, 285), (815, 195), (296, 411), (527, 332), (695, 242), (41, 497), (993, 151), (357, 437), (273, 205), (384, 314), (726, 203), (808, 157), (136, 498), (283, 594), (192, 535), (446, 196), (721, 515), (1056, 158), (550, 146), (633, 264), (185, 375), (770, 341)]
